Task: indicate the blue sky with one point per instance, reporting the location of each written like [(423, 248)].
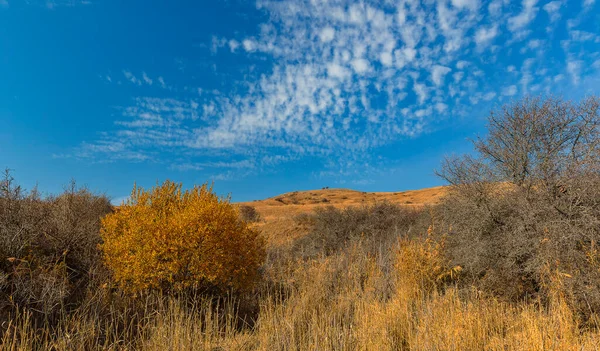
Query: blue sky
[(272, 96)]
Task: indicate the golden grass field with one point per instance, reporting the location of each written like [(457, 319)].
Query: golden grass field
[(352, 300), (296, 202), (277, 213)]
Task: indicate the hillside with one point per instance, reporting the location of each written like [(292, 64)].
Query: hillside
[(297, 202), (277, 213)]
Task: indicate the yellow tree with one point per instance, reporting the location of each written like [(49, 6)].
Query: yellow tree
[(169, 239)]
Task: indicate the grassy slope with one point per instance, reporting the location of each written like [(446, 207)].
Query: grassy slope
[(305, 201), (278, 212)]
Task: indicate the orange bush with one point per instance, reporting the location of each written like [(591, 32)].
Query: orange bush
[(169, 239)]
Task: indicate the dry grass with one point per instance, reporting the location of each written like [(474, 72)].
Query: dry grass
[(400, 298), (349, 301), (278, 213), (288, 205)]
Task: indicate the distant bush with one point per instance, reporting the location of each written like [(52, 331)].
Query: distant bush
[(48, 246), (173, 240), (249, 213), (304, 219), (527, 206), (332, 229)]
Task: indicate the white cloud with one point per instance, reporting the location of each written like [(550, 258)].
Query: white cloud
[(454, 25), (356, 14), (421, 92), (579, 35), (462, 64), (495, 8), (574, 69), (146, 78), (360, 65), (409, 54), (588, 3), (130, 77), (535, 44), (423, 112), (249, 45), (484, 36), (336, 71), (343, 77), (573, 22), (327, 34), (553, 10), (51, 4), (162, 82), (489, 96), (441, 107), (386, 58), (458, 76), (233, 45), (198, 166), (470, 4), (519, 22), (510, 90), (438, 73)]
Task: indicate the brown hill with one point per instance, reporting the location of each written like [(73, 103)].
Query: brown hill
[(278, 212)]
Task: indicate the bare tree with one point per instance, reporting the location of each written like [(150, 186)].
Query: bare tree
[(531, 141), (529, 198)]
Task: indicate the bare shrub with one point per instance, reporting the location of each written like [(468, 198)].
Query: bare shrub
[(333, 228), (304, 219), (529, 202), (21, 215), (48, 246), (249, 213)]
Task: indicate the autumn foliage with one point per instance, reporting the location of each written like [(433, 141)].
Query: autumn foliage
[(169, 239)]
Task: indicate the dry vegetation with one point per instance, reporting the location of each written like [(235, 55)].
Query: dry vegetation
[(507, 259), (173, 240)]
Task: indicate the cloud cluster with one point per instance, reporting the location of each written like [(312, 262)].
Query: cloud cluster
[(49, 4), (144, 79), (348, 76)]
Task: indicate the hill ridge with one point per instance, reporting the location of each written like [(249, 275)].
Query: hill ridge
[(287, 205)]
